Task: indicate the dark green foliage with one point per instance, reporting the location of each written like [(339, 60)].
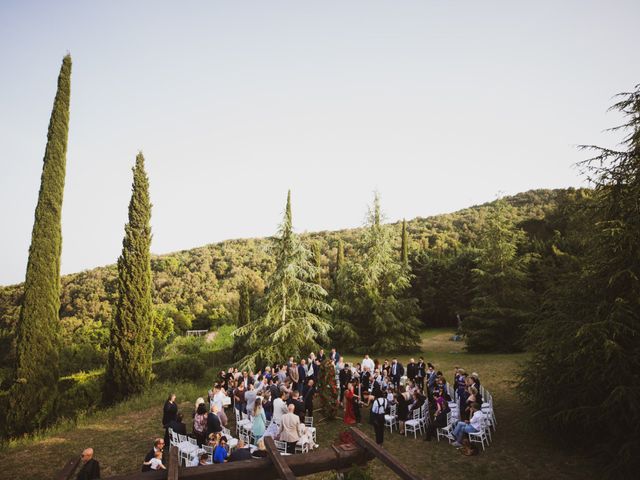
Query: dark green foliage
[(443, 285), (294, 302), (404, 245), (34, 394), (339, 256), (244, 318), (582, 383), (501, 304), (129, 363), (376, 285)]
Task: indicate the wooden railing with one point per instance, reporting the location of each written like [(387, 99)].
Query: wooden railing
[(273, 467)]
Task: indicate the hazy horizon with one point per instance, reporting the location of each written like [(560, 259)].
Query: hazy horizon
[(437, 105)]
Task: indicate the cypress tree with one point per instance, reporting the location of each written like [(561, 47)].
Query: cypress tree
[(244, 307), (404, 249), (38, 329), (339, 256), (294, 304), (317, 257), (129, 362)]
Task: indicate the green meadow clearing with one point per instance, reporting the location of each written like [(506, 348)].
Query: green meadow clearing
[(123, 434)]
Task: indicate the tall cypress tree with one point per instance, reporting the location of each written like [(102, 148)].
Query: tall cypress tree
[(244, 305), (317, 258), (404, 248), (38, 329), (129, 362), (295, 302), (339, 256)]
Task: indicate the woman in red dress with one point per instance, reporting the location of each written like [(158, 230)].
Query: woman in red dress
[(350, 397)]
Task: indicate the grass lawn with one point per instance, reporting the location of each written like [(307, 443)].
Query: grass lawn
[(122, 435)]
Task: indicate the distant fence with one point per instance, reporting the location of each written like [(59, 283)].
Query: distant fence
[(196, 333)]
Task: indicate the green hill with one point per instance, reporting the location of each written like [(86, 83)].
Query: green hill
[(198, 288)]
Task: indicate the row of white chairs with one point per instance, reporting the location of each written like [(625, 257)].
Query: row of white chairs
[(417, 422), (188, 447)]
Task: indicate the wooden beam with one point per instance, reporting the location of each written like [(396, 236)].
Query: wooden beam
[(67, 471), (174, 464), (283, 469), (389, 460)]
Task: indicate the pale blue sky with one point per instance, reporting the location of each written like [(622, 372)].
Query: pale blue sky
[(436, 104)]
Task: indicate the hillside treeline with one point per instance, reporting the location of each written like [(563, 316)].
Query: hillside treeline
[(200, 288)]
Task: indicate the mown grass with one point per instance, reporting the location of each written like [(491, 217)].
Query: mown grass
[(123, 434)]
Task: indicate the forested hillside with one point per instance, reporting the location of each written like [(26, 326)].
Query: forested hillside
[(199, 288)]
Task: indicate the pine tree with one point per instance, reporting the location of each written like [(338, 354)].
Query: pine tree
[(586, 340), (501, 303), (404, 248), (129, 363), (294, 301), (377, 302), (38, 329)]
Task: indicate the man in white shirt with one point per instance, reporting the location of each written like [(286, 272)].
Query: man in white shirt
[(218, 401), (367, 362), (469, 426), (279, 407), (377, 416)]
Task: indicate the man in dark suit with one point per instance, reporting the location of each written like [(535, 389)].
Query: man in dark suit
[(90, 468), (334, 356), (344, 376), (241, 452), (213, 421), (302, 375), (321, 355), (158, 444), (421, 373), (397, 371), (412, 369), (308, 397)]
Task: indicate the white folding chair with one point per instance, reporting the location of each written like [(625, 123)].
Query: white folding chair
[(390, 420), (446, 431), (282, 447), (209, 450), (481, 436), (414, 425)]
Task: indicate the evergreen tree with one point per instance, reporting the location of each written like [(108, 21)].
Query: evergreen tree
[(404, 248), (501, 303), (129, 362), (34, 395), (586, 340), (377, 302), (294, 301), (317, 257)]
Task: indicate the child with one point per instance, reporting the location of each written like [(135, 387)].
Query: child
[(156, 462)]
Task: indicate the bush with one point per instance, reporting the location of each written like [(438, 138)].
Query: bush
[(80, 392)]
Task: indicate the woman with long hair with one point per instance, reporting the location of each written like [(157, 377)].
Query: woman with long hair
[(170, 410), (259, 420)]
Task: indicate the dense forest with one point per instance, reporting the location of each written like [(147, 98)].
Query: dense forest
[(200, 288)]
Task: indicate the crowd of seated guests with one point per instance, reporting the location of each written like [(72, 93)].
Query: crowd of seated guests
[(278, 397)]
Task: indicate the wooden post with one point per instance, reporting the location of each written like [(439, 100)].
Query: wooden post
[(274, 455), (174, 464), (70, 467), (389, 460)]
